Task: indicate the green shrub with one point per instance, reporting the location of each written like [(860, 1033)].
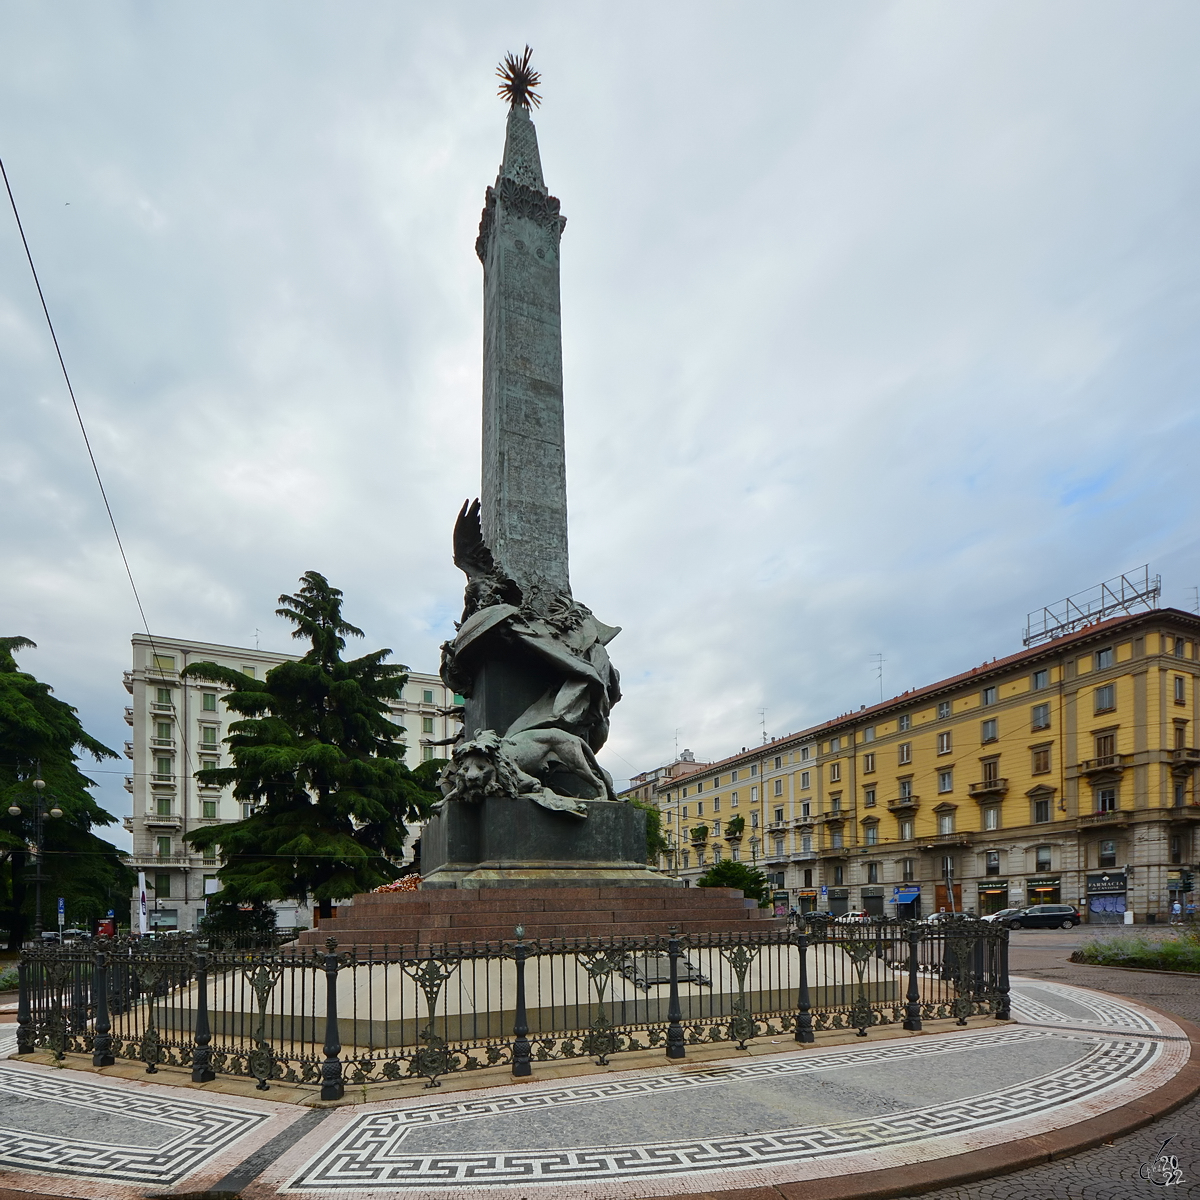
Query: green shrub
[(8, 979), (729, 874), (1176, 952)]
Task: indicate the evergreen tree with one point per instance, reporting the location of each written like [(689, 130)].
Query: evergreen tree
[(320, 761), (42, 734), (729, 874)]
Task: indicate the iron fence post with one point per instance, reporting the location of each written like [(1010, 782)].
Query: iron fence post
[(1003, 1005), (804, 1024), (521, 1065), (912, 1009), (202, 1069), (102, 1055), (332, 1086), (675, 1044), (25, 1038)]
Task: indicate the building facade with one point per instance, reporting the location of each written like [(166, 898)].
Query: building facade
[(1065, 773), (178, 728)]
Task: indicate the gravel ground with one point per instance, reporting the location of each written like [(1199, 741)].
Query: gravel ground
[(1109, 1172)]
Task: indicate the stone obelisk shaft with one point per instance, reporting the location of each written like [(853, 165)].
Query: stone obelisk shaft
[(524, 499)]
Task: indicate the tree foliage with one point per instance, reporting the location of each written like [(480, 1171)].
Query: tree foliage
[(729, 874), (656, 841), (39, 732), (321, 762)]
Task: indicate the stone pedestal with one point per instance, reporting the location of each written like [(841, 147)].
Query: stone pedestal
[(505, 842)]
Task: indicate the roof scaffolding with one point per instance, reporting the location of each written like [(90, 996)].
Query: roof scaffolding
[(1125, 594)]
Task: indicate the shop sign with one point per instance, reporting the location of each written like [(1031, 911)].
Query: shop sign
[(994, 885), (1033, 884), (1110, 884), (873, 892), (838, 893)]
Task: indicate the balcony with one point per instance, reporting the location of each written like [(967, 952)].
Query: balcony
[(1185, 759), (804, 856), (1105, 764), (129, 716), (1181, 814), (128, 785), (958, 838), (162, 708), (159, 781), (163, 819), (904, 804), (160, 860), (1115, 816), (127, 680), (165, 743), (987, 789), (128, 749)]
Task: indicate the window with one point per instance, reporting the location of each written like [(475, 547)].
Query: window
[(1108, 854), (835, 839), (685, 810), (778, 762), (1106, 697), (907, 872), (699, 808), (248, 671), (835, 802), (779, 816), (988, 696), (945, 743), (808, 877), (426, 724), (1104, 659), (717, 782), (946, 822), (163, 767), (1041, 812), (716, 829), (209, 764), (162, 806), (991, 862), (1041, 679), (164, 662), (684, 792), (806, 809), (163, 696), (1176, 848), (716, 804), (163, 730), (988, 731), (905, 753), (904, 724), (1180, 794), (208, 735), (869, 733), (753, 795), (1042, 854), (753, 770), (1180, 735), (991, 818), (1040, 716), (779, 847), (835, 772), (1180, 692), (947, 866), (943, 709), (1106, 745), (1179, 647), (208, 701), (905, 789), (247, 810), (779, 787), (753, 819), (991, 769), (869, 763), (1106, 799), (805, 780), (869, 797), (906, 830), (835, 744), (209, 809), (839, 876), (735, 853), (872, 872), (427, 754), (804, 753), (733, 800), (733, 777), (687, 859), (164, 847), (162, 886), (427, 696), (699, 787), (700, 856), (1041, 760), (871, 833), (806, 842), (945, 781)]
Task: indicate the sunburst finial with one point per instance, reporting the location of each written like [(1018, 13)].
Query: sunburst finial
[(519, 81)]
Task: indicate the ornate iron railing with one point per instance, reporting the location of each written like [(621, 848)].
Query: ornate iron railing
[(381, 1014)]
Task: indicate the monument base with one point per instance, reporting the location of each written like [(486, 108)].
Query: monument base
[(514, 842)]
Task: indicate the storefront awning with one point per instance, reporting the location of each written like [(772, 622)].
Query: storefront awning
[(907, 895)]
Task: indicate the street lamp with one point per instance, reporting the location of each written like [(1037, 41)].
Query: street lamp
[(39, 822)]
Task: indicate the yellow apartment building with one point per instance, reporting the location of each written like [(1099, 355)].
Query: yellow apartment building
[(1064, 773)]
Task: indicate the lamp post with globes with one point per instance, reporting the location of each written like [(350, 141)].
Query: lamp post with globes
[(39, 823)]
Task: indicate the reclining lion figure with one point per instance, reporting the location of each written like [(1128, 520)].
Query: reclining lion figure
[(488, 765)]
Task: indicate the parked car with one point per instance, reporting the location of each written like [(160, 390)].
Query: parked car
[(1046, 916), (852, 918), (942, 915), (1003, 916)]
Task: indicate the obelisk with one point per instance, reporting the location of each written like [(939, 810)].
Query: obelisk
[(524, 485)]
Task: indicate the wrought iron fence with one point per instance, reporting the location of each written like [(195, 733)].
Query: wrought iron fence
[(382, 1014)]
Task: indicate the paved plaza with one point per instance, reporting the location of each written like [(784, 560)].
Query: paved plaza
[(834, 1120)]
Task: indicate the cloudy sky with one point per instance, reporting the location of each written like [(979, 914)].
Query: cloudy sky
[(879, 329)]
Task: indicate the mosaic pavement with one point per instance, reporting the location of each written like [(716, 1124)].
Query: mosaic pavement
[(1071, 1055)]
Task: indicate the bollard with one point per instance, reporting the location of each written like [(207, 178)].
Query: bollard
[(912, 1010), (804, 1025), (1003, 1006), (202, 1070), (521, 1065), (25, 1038), (102, 1055)]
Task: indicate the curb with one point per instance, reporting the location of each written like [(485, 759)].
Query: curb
[(993, 1161), (1140, 971)]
